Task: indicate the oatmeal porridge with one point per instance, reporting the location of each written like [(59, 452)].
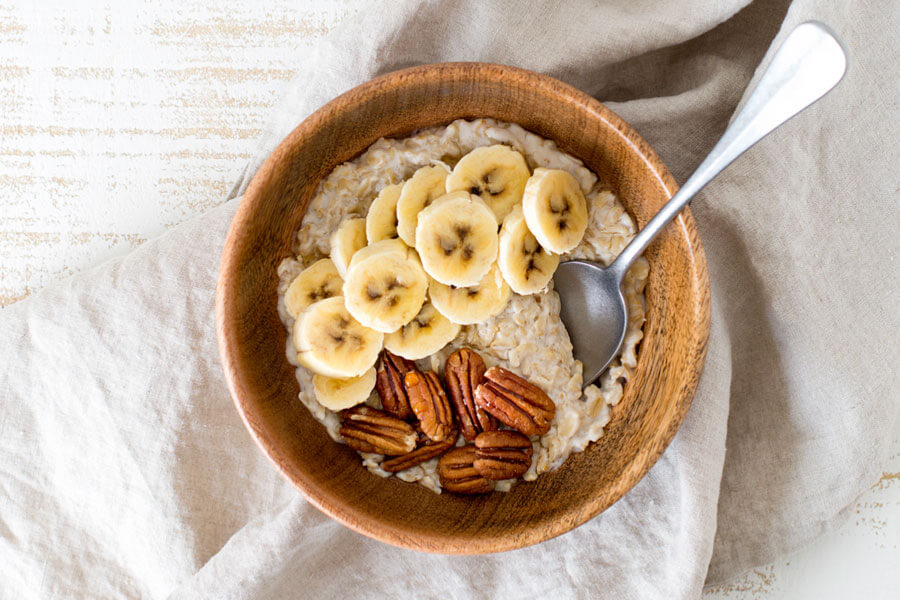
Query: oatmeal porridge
[(417, 193)]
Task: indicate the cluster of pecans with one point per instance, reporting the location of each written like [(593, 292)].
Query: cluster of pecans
[(421, 420)]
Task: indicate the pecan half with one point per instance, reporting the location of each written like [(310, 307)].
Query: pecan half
[(515, 402), (464, 371), (426, 451), (458, 474), (371, 430), (389, 383), (430, 404), (502, 454)]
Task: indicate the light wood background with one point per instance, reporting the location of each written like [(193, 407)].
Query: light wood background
[(120, 119)]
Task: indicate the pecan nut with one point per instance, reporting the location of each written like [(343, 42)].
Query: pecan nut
[(515, 402), (502, 454), (426, 451), (464, 371), (389, 383), (458, 474), (368, 429), (430, 404)]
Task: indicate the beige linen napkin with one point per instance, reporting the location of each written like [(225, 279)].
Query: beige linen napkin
[(125, 471)]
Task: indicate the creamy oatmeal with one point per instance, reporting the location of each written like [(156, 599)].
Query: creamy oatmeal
[(527, 336)]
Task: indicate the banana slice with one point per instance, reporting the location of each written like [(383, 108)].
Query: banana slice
[(469, 305), (349, 237), (316, 282), (385, 288), (555, 209), (381, 220), (330, 342), (383, 247), (423, 188), (427, 333), (457, 239), (495, 173), (525, 266), (337, 394)]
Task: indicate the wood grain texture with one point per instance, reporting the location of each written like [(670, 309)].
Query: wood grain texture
[(121, 119), (252, 340)]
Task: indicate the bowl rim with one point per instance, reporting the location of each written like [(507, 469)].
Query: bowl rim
[(388, 533)]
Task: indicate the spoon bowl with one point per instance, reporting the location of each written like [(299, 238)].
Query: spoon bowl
[(594, 311)]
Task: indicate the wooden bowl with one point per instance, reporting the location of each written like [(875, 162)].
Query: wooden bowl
[(252, 339)]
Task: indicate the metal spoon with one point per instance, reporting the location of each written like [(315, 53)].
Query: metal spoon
[(809, 63)]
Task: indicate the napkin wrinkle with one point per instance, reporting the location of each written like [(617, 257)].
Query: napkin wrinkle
[(835, 408), (671, 70)]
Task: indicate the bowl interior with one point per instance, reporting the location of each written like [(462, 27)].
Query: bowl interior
[(252, 339)]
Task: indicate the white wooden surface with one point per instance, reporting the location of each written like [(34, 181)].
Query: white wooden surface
[(120, 119)]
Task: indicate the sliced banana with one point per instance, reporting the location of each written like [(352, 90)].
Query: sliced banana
[(469, 305), (330, 342), (495, 173), (385, 288), (427, 333), (425, 186), (381, 221), (316, 282), (457, 239), (349, 237), (525, 266), (337, 394), (555, 209), (383, 247)]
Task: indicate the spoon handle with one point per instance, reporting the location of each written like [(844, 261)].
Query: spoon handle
[(809, 63)]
